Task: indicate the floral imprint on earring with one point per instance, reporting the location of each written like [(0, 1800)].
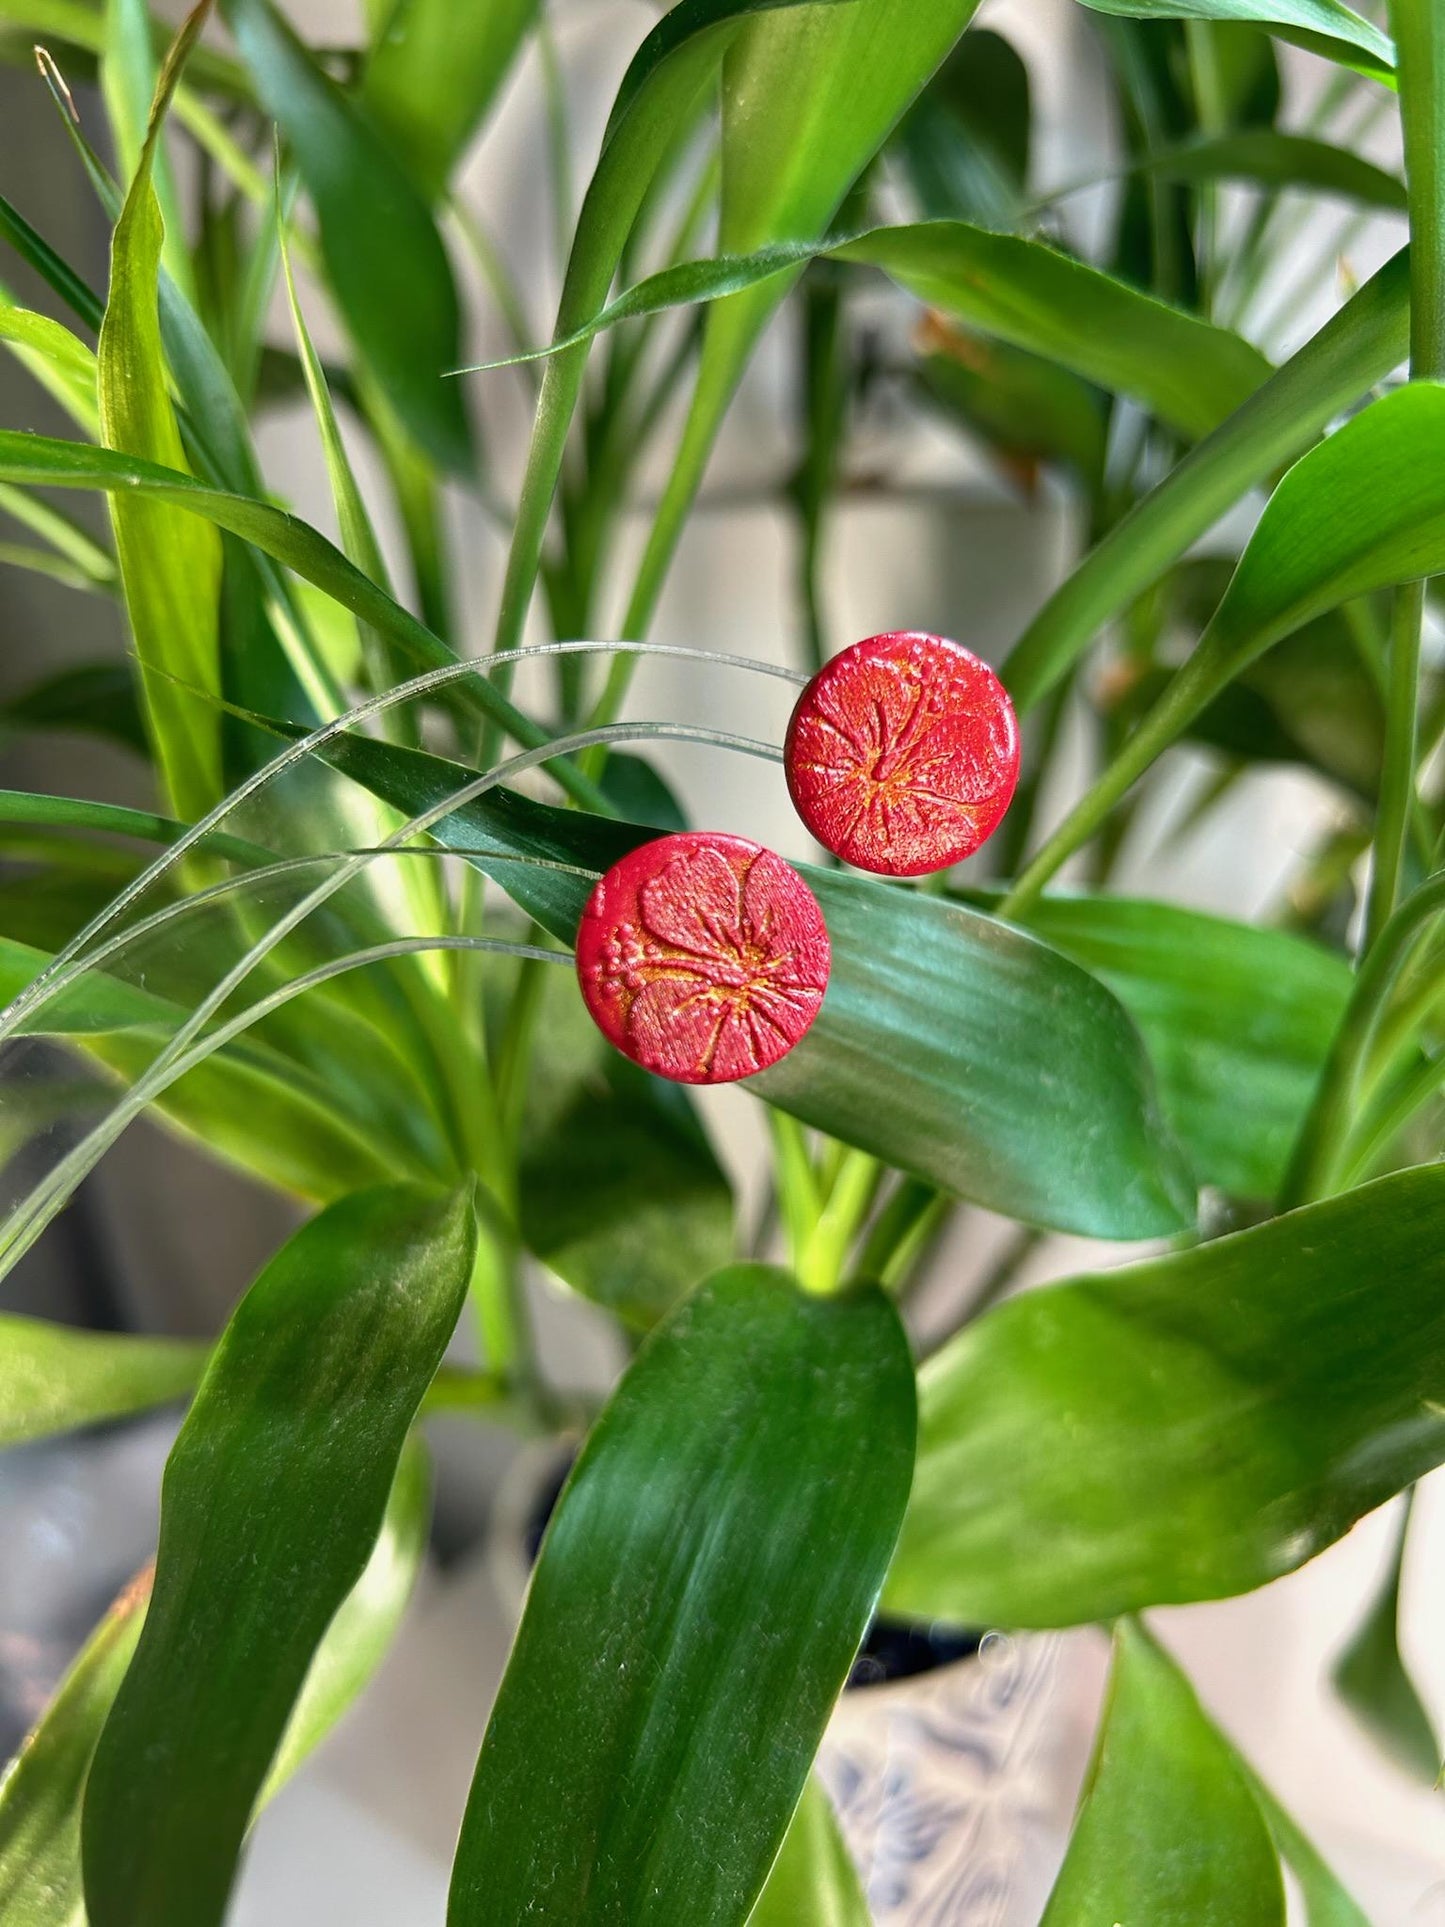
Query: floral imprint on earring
[(703, 957), (903, 754)]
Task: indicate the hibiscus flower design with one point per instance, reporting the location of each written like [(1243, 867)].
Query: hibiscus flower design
[(703, 957), (902, 754)]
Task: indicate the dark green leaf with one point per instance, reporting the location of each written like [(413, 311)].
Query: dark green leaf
[(53, 1378), (1238, 1021), (940, 1030), (965, 141), (1371, 1679), (95, 698), (57, 273), (366, 1622), (1322, 26), (433, 74), (272, 1502), (1185, 1428), (619, 1191), (378, 236), (813, 1882), (1268, 158), (1169, 1832), (41, 1790), (1027, 409), (702, 1589)]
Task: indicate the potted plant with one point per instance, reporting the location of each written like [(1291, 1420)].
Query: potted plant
[(420, 937)]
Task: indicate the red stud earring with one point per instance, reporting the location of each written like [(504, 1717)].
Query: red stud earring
[(903, 754), (703, 957)]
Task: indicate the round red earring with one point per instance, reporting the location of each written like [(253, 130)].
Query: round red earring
[(902, 754), (703, 957)]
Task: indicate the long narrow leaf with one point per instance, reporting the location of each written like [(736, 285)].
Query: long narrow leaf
[(701, 1592), (273, 1499), (170, 565), (378, 236)]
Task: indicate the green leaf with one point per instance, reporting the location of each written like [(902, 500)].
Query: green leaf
[(1322, 26), (1026, 409), (1168, 1830), (1361, 344), (169, 563), (433, 75), (965, 141), (40, 1795), (940, 1029), (1182, 1429), (701, 1591), (59, 360), (1191, 373), (1371, 1679), (128, 68), (41, 1790), (93, 698), (246, 1103), (385, 261), (41, 461), (1238, 1021), (813, 1883), (1267, 158), (619, 1191), (53, 1378), (273, 1499), (660, 91), (366, 1622), (1326, 1903), (1363, 511)]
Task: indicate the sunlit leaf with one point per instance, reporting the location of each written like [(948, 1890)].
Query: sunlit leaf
[(678, 1658), (1169, 1831), (59, 360), (1185, 1428), (169, 563), (273, 1498)]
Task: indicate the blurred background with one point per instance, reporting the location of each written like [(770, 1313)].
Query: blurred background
[(929, 534)]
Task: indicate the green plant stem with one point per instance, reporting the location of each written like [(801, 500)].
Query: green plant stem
[(1326, 1127), (795, 1182), (1419, 29), (822, 1260)]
